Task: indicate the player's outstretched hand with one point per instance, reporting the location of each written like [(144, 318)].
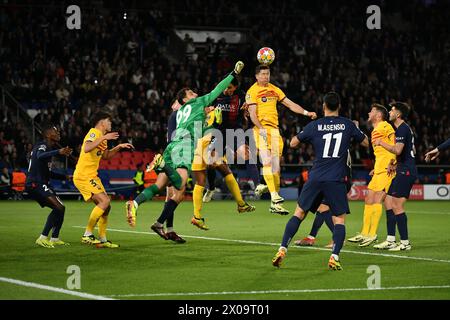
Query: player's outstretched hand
[(66, 151), (238, 67), (218, 115), (126, 146), (111, 136), (431, 155), (312, 115)]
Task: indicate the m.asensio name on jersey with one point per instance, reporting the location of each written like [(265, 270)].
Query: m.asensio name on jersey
[(331, 127)]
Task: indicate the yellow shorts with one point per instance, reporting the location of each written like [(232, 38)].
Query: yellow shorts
[(88, 187), (274, 141), (380, 182), (203, 158)]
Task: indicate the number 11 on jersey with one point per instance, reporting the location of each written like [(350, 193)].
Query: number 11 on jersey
[(326, 149)]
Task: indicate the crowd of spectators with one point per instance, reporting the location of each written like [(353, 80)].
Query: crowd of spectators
[(125, 66)]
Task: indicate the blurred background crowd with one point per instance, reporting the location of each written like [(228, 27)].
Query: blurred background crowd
[(128, 64)]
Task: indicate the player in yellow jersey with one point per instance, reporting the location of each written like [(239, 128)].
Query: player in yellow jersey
[(85, 178), (380, 182), (262, 99)]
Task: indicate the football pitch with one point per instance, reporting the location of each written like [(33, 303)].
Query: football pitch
[(231, 261)]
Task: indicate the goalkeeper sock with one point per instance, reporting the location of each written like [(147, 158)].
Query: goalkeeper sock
[(338, 238), (147, 194), (291, 229), (233, 186), (93, 218), (197, 199), (375, 220), (318, 221), (368, 211)]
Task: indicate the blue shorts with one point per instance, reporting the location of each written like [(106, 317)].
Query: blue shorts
[(348, 186), (401, 185), (41, 193), (333, 193)]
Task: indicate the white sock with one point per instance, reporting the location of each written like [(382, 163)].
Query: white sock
[(42, 237), (335, 256), (159, 225), (311, 237), (170, 229), (135, 204), (54, 239), (87, 234), (274, 195), (405, 242), (283, 248), (390, 238), (102, 239)]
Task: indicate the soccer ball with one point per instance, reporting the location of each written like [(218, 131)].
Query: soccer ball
[(265, 56)]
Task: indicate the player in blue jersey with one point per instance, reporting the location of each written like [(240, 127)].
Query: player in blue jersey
[(230, 104), (323, 213), (433, 154), (330, 137), (405, 175), (37, 184)]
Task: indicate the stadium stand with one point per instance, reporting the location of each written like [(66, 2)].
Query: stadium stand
[(130, 68)]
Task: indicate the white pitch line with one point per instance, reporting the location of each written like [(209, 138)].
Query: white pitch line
[(298, 247), (54, 289), (274, 291)]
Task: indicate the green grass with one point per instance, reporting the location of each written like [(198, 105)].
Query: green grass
[(145, 264)]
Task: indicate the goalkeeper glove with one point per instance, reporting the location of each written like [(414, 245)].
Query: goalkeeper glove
[(238, 67), (218, 115)]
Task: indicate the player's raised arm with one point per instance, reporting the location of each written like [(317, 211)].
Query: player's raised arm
[(297, 108), (108, 154), (360, 136), (210, 97), (303, 136), (433, 154), (42, 153), (91, 145)]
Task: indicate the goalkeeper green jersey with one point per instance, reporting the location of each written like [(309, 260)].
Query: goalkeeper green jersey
[(191, 116), (191, 127)]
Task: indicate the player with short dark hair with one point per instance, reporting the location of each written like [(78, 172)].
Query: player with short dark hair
[(330, 137), (174, 165), (37, 184), (86, 180), (405, 175), (380, 181)]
